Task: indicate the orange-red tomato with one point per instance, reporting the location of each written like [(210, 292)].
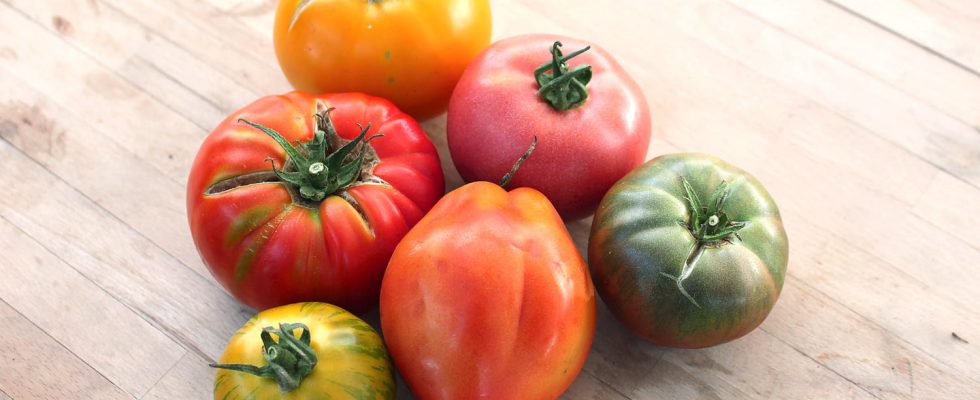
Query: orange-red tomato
[(487, 297), (409, 52)]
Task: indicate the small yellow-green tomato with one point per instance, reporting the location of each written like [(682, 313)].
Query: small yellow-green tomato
[(305, 351)]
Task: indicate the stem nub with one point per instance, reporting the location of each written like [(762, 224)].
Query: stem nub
[(289, 360), (318, 168), (708, 223), (513, 170), (559, 87)]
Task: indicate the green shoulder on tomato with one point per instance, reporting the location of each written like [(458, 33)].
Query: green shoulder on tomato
[(688, 251)]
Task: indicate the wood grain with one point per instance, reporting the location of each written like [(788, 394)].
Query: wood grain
[(946, 28), (861, 118), (30, 349)]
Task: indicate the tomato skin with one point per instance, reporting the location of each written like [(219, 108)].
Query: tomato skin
[(351, 358), (487, 297), (268, 250), (410, 52), (639, 240), (496, 110)]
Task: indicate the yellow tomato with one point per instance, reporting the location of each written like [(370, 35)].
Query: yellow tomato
[(305, 351), (411, 52)]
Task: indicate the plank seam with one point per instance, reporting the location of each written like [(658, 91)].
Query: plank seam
[(606, 384), (219, 38), (154, 385), (863, 71), (905, 38), (827, 108), (150, 319), (54, 339), (804, 354), (197, 94), (927, 355)]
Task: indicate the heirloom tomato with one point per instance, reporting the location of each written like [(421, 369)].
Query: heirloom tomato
[(590, 116), (288, 201), (487, 297), (305, 351), (688, 251), (408, 51)]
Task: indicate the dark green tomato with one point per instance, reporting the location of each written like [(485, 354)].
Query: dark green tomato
[(688, 251)]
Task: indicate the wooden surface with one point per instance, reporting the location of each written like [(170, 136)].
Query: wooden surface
[(860, 117)]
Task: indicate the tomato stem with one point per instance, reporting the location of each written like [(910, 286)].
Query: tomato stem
[(318, 168), (289, 359), (559, 87), (708, 223), (513, 170)]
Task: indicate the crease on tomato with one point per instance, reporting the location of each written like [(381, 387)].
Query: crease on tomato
[(259, 237)]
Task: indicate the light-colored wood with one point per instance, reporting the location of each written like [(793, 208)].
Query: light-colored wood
[(124, 348), (867, 140), (41, 368), (948, 28), (879, 53), (190, 378)]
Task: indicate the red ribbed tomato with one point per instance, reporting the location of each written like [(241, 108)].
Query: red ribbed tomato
[(288, 202)]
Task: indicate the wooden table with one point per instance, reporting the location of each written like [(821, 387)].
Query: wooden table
[(860, 117)]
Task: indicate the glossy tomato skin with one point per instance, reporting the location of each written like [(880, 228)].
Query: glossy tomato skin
[(639, 240), (495, 112), (487, 297), (352, 361), (268, 250), (410, 52)]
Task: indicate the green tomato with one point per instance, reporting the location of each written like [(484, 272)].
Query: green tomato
[(688, 251)]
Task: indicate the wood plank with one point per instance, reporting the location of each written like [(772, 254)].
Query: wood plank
[(887, 297), (872, 357), (876, 52), (950, 28), (734, 370), (26, 350), (170, 296), (215, 39), (949, 203), (874, 105), (159, 153), (137, 355), (191, 378), (588, 387), (58, 70)]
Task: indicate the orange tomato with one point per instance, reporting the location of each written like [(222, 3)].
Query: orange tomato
[(409, 52), (487, 297)]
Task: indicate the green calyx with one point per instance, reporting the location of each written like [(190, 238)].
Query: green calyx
[(708, 223), (559, 87), (289, 360), (316, 169), (710, 227)]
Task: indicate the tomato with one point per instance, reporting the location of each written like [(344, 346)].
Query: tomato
[(592, 120), (688, 251), (277, 229), (305, 351), (410, 52), (487, 297)]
